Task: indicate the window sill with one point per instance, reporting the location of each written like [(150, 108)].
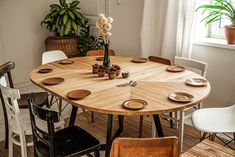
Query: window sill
[(214, 42)]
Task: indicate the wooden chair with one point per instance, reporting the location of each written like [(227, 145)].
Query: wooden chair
[(5, 78), (99, 53), (71, 141), (145, 147), (158, 60)]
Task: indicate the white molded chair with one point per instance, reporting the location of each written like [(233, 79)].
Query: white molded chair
[(51, 56), (214, 120), (193, 64)]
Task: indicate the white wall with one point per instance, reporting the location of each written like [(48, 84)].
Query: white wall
[(22, 35), (126, 28), (221, 74)]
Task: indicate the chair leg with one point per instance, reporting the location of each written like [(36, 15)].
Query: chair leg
[(171, 121), (181, 130), (60, 105), (141, 126), (97, 153), (10, 146), (213, 137), (23, 145), (51, 100), (92, 117), (203, 136)]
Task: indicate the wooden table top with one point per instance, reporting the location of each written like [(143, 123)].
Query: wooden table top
[(208, 148), (154, 85)]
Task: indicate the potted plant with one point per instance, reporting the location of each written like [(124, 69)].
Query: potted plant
[(221, 9), (63, 21), (87, 42)]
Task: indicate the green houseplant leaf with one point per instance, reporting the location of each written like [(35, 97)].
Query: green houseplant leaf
[(216, 9), (64, 18)]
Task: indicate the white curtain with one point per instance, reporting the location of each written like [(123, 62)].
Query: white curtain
[(167, 28)]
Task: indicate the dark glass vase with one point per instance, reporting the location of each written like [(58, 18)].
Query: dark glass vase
[(106, 61)]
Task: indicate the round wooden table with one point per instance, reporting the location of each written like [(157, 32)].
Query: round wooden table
[(154, 84)]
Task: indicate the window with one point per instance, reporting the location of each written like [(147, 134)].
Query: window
[(216, 29)]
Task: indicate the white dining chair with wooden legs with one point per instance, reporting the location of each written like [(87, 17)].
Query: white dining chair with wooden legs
[(17, 126)]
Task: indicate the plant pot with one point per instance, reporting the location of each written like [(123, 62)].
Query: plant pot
[(66, 44), (230, 34)]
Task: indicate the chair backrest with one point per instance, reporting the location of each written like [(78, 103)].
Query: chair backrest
[(10, 97), (44, 114), (5, 73), (147, 147), (99, 53), (51, 56), (159, 60), (192, 63)]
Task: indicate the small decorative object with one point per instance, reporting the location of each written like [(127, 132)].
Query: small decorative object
[(112, 72), (218, 9), (125, 74), (101, 71), (105, 24), (95, 68), (66, 61), (118, 68)]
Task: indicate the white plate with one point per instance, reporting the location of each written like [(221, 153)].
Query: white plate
[(180, 97), (196, 82)]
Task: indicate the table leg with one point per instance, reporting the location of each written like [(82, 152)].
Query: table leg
[(109, 135), (120, 128), (181, 130), (158, 125), (73, 116)]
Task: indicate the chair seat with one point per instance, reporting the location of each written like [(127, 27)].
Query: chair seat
[(71, 140), (215, 119), (40, 97)]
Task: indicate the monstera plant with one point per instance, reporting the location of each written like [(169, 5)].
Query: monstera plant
[(63, 20)]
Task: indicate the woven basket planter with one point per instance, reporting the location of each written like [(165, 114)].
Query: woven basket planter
[(66, 44)]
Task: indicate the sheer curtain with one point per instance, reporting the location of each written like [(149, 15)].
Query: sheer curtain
[(167, 28)]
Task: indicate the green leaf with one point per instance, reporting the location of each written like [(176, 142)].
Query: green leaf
[(62, 2), (74, 4), (67, 28), (63, 11), (65, 19), (56, 6), (62, 31), (55, 13), (71, 14), (74, 26)]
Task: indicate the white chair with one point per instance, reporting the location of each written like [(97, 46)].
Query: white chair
[(192, 64), (214, 120), (51, 56), (18, 127), (19, 121)]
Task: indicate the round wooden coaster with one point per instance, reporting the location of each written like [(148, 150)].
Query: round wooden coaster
[(134, 104), (78, 94), (175, 68), (53, 80), (45, 70), (139, 60), (66, 61)]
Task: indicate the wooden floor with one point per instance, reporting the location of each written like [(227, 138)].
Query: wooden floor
[(131, 124)]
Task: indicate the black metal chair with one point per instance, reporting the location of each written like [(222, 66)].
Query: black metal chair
[(5, 75), (70, 141)]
